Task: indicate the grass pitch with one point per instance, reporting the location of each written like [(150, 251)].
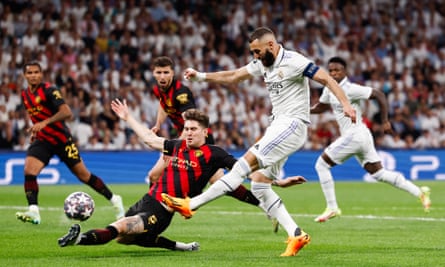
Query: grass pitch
[(380, 226)]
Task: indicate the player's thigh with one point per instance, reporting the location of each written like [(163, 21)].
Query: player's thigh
[(38, 156), (368, 152), (282, 138), (344, 147), (155, 217), (70, 155), (269, 173)]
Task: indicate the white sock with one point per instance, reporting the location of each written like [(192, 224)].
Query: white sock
[(326, 182), (273, 205), (34, 208), (181, 246), (227, 183), (397, 180)]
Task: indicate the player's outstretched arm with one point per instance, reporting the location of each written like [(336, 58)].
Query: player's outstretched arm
[(147, 135), (227, 76)]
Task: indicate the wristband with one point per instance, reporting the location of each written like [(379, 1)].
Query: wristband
[(201, 76)]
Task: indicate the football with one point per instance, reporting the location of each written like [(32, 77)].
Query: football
[(79, 206)]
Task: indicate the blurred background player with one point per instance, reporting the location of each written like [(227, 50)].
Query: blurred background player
[(50, 136), (355, 140), (174, 99)]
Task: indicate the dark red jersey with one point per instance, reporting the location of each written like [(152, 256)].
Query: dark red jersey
[(189, 170), (177, 99), (42, 104)]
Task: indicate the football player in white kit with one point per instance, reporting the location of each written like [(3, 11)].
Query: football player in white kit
[(355, 140), (285, 74)]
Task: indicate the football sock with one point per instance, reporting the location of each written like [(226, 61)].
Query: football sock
[(397, 180), (326, 182), (98, 236), (274, 206), (31, 189), (148, 241), (227, 183), (181, 246), (34, 208), (99, 186), (242, 194)]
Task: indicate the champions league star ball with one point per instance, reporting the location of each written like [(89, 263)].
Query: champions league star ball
[(79, 206)]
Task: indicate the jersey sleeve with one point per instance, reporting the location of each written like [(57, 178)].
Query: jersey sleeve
[(54, 96), (169, 146), (223, 158), (255, 68), (324, 97), (359, 92), (185, 99)]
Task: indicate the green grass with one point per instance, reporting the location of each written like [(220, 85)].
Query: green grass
[(380, 226)]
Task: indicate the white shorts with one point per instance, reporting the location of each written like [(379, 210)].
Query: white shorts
[(283, 137), (357, 142)]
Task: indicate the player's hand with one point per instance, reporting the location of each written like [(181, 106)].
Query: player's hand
[(290, 181), (190, 74), (155, 128), (34, 129), (194, 75), (121, 109), (350, 112)]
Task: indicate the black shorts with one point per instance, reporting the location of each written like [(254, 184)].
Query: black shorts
[(156, 218), (44, 151)]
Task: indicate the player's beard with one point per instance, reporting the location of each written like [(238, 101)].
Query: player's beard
[(268, 59)]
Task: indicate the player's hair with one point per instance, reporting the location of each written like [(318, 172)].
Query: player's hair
[(163, 61), (196, 115), (338, 60), (259, 32), (31, 63)]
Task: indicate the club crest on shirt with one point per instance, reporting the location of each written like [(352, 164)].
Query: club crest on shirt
[(280, 74), (182, 98), (38, 99), (57, 95), (198, 153)]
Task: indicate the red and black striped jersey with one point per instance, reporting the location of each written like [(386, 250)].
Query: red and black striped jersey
[(189, 170), (177, 99), (42, 104)]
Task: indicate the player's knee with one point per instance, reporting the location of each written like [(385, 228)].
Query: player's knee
[(242, 168), (259, 189), (321, 164)]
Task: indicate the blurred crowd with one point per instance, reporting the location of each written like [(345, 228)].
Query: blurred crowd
[(95, 51)]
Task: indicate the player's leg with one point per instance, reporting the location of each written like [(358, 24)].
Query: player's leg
[(398, 180), (241, 192), (371, 162), (323, 167), (150, 241), (274, 207), (37, 158), (272, 151), (336, 153)]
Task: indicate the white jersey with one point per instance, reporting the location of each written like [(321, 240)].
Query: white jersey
[(288, 88), (355, 93)]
